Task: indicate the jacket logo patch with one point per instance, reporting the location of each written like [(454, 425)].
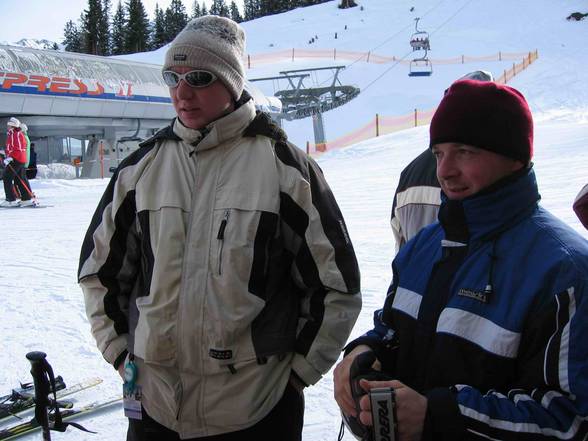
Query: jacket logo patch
[(221, 354), (180, 57), (480, 296)]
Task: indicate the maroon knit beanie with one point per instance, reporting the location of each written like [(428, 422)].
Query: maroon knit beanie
[(486, 115)]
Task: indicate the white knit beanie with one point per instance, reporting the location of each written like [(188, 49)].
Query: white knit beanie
[(13, 122), (212, 43)]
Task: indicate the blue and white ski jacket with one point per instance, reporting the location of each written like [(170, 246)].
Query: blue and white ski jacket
[(487, 316)]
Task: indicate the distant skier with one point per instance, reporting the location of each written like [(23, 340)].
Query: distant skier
[(16, 151), (32, 168), (24, 172)]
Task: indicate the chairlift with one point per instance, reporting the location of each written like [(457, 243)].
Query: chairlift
[(420, 39), (420, 67)]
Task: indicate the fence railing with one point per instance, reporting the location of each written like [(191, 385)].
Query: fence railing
[(255, 60), (382, 125)]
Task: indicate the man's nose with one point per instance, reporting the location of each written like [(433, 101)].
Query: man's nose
[(184, 91), (446, 167)]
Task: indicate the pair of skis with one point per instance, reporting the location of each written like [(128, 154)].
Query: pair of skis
[(35, 205), (23, 398)]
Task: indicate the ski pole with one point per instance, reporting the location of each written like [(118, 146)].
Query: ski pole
[(31, 194), (38, 371)]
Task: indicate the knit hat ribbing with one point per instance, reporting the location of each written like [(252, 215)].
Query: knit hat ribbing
[(212, 43), (486, 115)]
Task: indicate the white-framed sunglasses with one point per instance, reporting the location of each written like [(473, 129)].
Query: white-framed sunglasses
[(194, 78)]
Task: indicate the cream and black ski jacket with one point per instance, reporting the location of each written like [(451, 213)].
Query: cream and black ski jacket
[(220, 260)]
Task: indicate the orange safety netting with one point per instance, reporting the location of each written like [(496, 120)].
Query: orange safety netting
[(382, 125), (254, 60)]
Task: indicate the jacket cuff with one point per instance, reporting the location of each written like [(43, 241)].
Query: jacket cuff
[(375, 345), (443, 421), (308, 374), (114, 349), (120, 359)]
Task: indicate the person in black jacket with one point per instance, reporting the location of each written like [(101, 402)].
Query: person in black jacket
[(32, 168)]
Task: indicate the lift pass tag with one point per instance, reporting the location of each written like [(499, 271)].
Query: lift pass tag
[(131, 392), (132, 402)]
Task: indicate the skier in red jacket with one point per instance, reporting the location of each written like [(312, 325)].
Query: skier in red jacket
[(16, 157)]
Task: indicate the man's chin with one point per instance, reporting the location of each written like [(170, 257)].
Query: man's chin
[(192, 121)]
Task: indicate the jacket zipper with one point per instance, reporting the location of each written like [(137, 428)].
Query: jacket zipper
[(221, 237), (185, 271)]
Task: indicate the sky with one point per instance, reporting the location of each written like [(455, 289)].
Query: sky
[(42, 305), (47, 19)]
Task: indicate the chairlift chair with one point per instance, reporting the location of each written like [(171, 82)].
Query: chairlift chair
[(420, 39), (420, 67)]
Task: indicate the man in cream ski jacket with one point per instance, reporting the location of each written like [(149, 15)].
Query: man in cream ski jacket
[(217, 267)]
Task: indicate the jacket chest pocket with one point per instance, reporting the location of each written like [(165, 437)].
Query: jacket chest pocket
[(241, 246), (241, 243)]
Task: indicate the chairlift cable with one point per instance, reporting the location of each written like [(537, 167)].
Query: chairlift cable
[(363, 89), (451, 17)]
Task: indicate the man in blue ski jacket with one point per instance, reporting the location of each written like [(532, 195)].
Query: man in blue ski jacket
[(484, 330)]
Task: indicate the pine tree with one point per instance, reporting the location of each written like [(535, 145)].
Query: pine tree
[(90, 23), (137, 34), (203, 11), (119, 23), (159, 34), (213, 8), (235, 14), (269, 7), (104, 34), (196, 9), (347, 4), (225, 11), (72, 39), (250, 9), (219, 7), (176, 19)]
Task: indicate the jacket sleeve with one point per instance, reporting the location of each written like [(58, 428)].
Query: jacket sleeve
[(382, 338), (549, 398), (324, 263), (397, 231), (109, 265), (581, 206), (17, 146)]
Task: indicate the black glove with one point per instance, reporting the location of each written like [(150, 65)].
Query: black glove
[(361, 368)]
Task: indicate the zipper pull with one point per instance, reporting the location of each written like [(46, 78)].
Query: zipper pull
[(223, 225)]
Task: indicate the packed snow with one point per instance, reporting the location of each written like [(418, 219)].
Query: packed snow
[(43, 306)]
